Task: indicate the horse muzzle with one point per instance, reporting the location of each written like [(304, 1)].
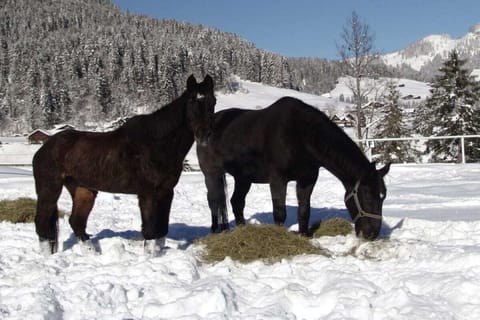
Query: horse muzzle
[(367, 232)]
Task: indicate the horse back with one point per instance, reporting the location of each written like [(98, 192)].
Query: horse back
[(255, 143)]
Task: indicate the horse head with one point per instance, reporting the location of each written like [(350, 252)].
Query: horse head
[(201, 108), (364, 202)]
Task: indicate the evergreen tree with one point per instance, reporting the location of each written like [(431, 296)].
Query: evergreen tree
[(452, 109), (50, 109), (392, 125), (104, 93)]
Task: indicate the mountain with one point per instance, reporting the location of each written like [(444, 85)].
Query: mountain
[(427, 54)]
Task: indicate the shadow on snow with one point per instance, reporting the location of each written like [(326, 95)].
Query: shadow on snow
[(188, 234)]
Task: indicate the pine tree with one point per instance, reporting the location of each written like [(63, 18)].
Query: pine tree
[(392, 126), (50, 109), (452, 109), (104, 93)]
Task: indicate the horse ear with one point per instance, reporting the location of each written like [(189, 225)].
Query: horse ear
[(191, 83), (208, 82), (383, 171)]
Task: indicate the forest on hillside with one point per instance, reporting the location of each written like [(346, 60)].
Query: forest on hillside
[(85, 61)]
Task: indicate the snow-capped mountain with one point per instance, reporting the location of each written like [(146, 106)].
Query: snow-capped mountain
[(430, 51)]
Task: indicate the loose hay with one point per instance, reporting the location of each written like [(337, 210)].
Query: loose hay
[(332, 227), (21, 210), (245, 244)]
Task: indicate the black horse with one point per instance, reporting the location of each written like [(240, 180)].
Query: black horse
[(286, 141), (144, 157)]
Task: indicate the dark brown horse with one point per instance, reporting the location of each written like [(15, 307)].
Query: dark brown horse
[(286, 141), (144, 157)]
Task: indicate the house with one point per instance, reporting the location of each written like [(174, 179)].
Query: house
[(346, 120), (41, 135)]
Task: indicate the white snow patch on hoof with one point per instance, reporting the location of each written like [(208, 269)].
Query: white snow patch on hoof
[(154, 247), (45, 248)]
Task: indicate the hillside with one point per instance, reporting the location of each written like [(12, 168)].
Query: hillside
[(82, 61)]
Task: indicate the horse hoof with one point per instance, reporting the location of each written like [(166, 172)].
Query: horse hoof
[(48, 247), (220, 228), (154, 247)]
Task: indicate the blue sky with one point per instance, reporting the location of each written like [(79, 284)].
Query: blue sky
[(310, 28)]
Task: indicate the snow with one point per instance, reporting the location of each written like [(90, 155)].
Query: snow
[(16, 151), (426, 264), (254, 95), (476, 74), (406, 87), (432, 45)]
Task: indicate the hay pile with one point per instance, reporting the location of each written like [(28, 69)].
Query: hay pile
[(21, 210), (332, 227), (245, 244)]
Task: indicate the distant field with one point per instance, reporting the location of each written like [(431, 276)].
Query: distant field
[(16, 151)]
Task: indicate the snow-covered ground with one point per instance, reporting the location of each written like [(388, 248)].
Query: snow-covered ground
[(426, 264), (254, 95), (408, 89)]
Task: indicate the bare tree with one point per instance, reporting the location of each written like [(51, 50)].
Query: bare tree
[(358, 58)]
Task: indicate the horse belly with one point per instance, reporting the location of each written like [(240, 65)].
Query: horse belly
[(102, 172), (251, 171), (105, 182)]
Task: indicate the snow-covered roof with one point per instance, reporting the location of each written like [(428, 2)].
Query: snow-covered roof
[(46, 132), (57, 128)]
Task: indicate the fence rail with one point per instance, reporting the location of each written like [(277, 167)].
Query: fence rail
[(421, 138)]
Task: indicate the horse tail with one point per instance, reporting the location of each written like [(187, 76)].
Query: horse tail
[(217, 201), (48, 186)]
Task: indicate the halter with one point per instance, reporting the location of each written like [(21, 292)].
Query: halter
[(361, 213)]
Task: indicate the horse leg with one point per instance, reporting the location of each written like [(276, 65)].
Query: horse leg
[(278, 190), (46, 216), (216, 195), (155, 211), (83, 200), (238, 199), (304, 192)]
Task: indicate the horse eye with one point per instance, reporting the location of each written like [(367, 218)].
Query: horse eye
[(382, 195)]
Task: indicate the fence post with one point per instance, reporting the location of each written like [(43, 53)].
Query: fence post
[(462, 142)]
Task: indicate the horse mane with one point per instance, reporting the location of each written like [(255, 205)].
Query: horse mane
[(339, 153), (345, 157)]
